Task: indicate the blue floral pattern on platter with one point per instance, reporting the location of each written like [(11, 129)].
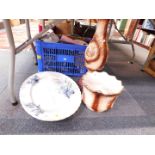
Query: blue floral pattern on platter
[(35, 109), (35, 79), (67, 89)]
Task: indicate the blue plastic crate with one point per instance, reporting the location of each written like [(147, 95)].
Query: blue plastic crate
[(65, 58)]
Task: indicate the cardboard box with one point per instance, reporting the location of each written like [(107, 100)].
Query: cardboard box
[(15, 22), (63, 28)]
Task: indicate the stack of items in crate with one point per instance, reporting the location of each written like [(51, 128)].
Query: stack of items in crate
[(56, 51)]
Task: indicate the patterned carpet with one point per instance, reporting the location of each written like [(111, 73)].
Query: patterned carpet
[(133, 112)]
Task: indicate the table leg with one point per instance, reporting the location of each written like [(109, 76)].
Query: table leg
[(133, 53), (72, 26), (43, 23), (29, 37), (11, 78), (110, 27)]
